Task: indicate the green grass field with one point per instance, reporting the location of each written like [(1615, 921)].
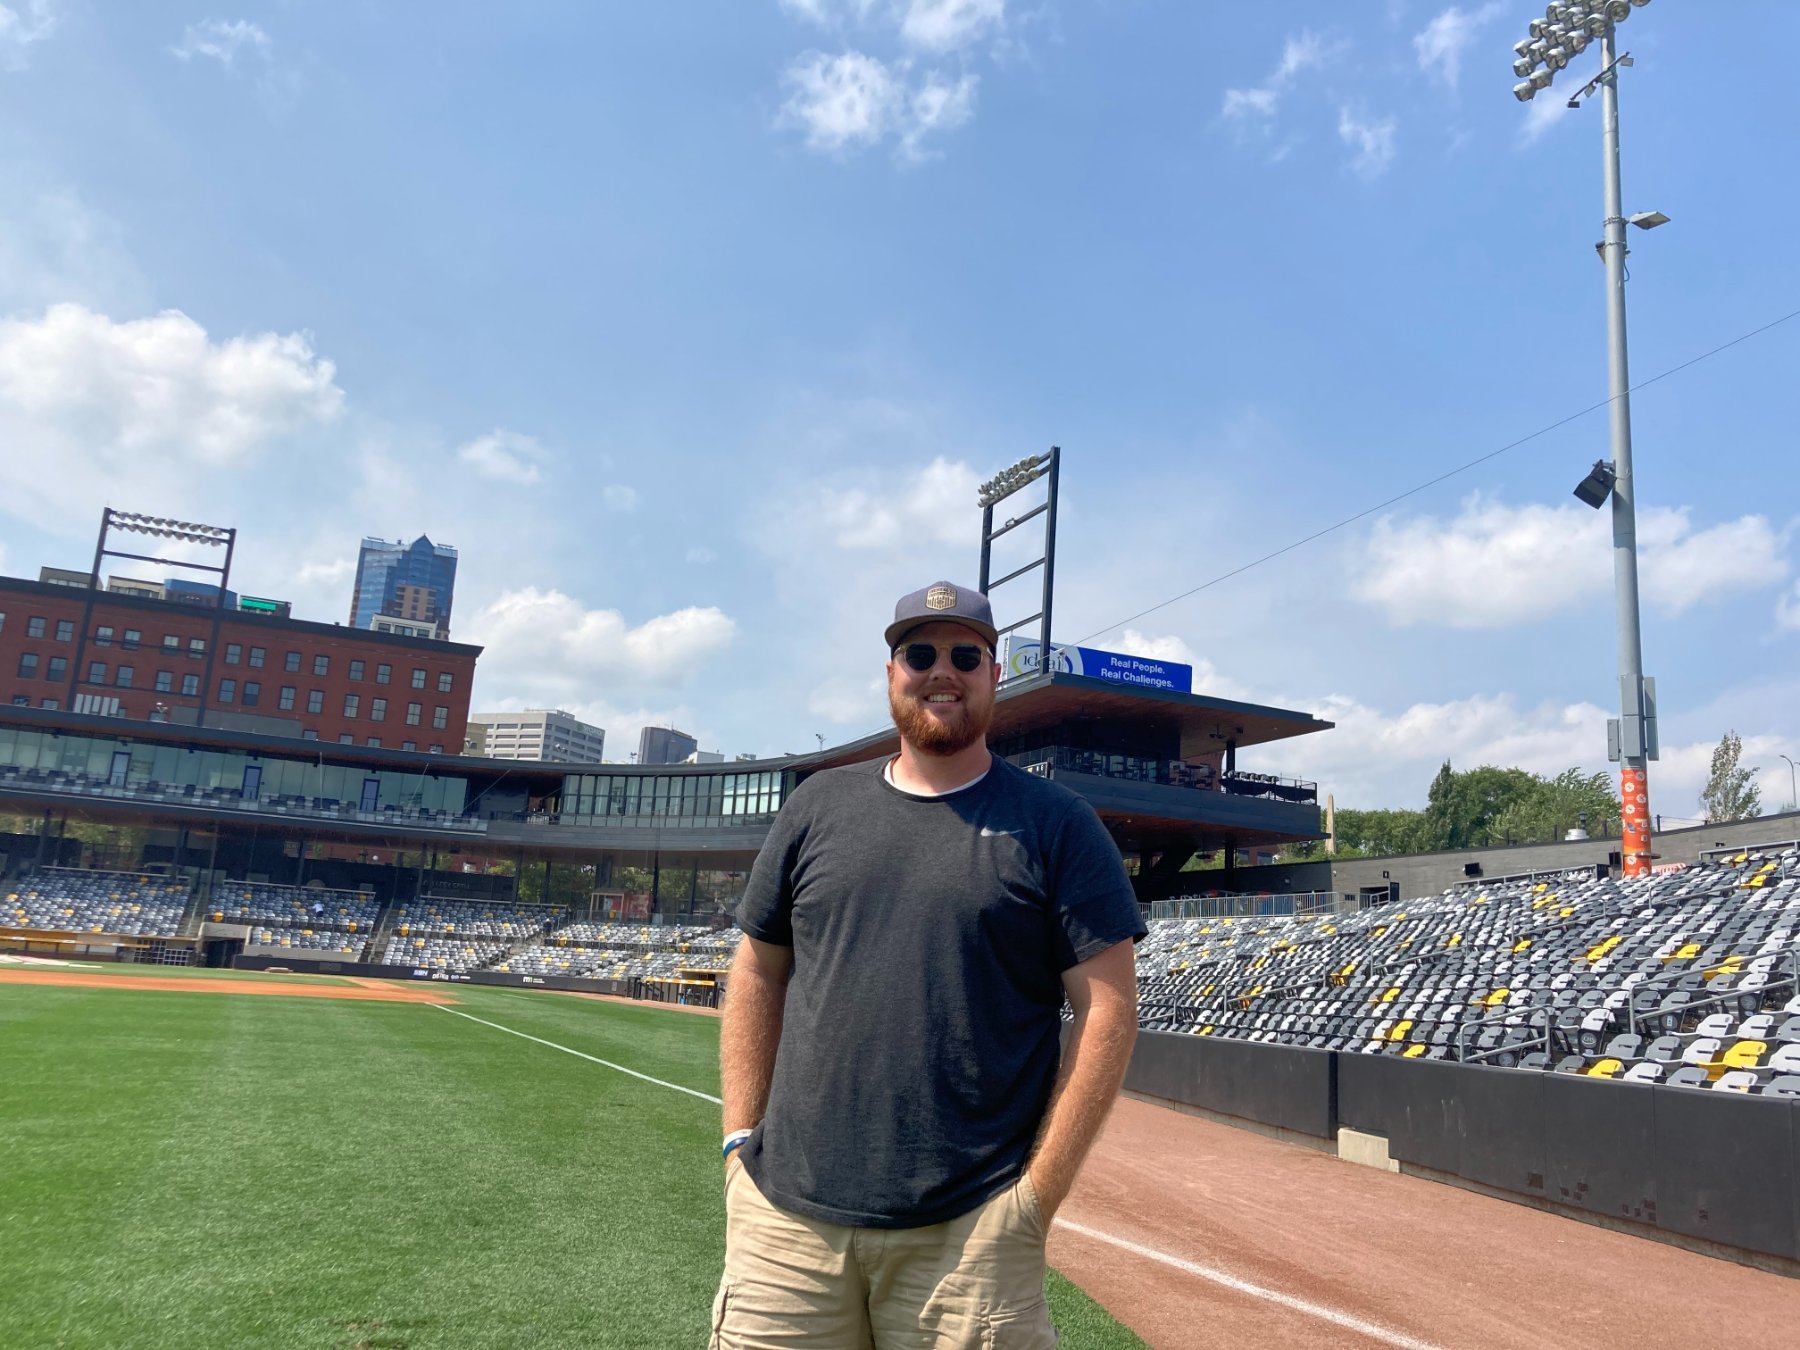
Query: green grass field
[(216, 1170)]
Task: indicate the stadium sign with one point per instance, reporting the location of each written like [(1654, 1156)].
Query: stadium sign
[(1024, 657)]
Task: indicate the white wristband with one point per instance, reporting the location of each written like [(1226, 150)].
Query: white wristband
[(735, 1138)]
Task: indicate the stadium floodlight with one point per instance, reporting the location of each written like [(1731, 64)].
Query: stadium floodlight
[(1523, 46), (1524, 66), (1598, 485), (1567, 30)]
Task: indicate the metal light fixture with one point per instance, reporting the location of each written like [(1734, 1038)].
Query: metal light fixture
[(1618, 10), (1524, 66), (1541, 78), (1598, 485), (1557, 58), (1647, 220), (1524, 91)]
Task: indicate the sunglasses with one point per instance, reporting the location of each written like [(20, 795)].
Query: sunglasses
[(922, 656)]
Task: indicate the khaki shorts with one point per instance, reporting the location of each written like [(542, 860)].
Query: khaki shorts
[(975, 1282)]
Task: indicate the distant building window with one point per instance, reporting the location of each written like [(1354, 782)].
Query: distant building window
[(103, 636), (309, 735), (413, 711), (164, 682), (444, 680), (258, 655), (345, 738), (124, 677), (234, 654), (190, 685), (58, 669), (418, 678), (28, 666), (315, 700), (291, 662), (21, 700), (65, 630), (374, 741), (196, 648), (133, 639), (50, 703), (356, 670), (321, 665), (351, 703), (34, 627), (228, 691), (2, 621), (252, 693), (383, 673), (286, 701), (96, 672), (409, 745), (437, 749), (440, 718), (378, 710), (171, 643)]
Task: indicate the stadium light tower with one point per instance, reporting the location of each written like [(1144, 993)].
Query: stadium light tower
[(1565, 31)]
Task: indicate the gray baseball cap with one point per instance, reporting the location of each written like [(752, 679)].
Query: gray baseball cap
[(943, 602)]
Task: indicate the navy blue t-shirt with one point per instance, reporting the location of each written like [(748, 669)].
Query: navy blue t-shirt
[(921, 1037)]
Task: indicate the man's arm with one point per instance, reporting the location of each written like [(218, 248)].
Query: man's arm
[(1103, 992), (755, 996)]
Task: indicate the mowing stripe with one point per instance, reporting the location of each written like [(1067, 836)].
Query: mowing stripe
[(591, 1059), (1299, 1305)]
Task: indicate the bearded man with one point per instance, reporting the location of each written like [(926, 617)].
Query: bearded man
[(901, 1122)]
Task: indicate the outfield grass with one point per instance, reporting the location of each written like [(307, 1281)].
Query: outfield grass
[(207, 1170)]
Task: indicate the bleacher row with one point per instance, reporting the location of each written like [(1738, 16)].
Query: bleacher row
[(125, 904), (1686, 978)]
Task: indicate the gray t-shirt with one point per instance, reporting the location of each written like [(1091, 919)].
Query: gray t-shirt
[(921, 1036)]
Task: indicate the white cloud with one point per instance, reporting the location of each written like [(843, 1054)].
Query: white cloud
[(222, 40), (1441, 44), (618, 497), (22, 26), (1304, 52), (938, 503), (1787, 608), (938, 104), (1496, 566), (125, 408), (841, 102), (328, 572), (505, 456), (1371, 142), (1542, 113), (950, 25), (55, 248), (830, 13)]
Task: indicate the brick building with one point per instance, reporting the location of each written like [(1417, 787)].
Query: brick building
[(146, 659)]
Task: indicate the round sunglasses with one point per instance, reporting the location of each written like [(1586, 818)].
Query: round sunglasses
[(922, 656)]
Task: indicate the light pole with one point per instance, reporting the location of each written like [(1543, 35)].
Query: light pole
[(1563, 33), (1793, 797)]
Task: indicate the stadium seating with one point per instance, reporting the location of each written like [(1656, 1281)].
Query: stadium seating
[(474, 918), (442, 953), (258, 902), (122, 904), (1686, 979), (346, 944), (625, 951)]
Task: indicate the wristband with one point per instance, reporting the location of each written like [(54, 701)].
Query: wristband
[(735, 1138)]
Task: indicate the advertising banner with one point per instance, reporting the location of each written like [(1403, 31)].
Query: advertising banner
[(1024, 657)]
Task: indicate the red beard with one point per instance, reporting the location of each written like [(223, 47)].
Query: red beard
[(926, 733)]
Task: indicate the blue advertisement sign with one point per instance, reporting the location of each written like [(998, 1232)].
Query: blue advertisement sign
[(1024, 657)]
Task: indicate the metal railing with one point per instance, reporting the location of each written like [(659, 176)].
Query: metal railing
[(1299, 904), (1165, 773)]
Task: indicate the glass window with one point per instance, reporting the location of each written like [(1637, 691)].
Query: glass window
[(234, 654), (133, 638), (228, 691), (21, 700), (171, 643), (356, 670), (65, 630), (412, 714), (190, 685), (418, 677), (164, 682), (2, 621), (291, 662), (437, 749), (309, 735), (28, 666), (258, 655), (252, 693), (408, 745), (50, 703), (440, 718), (125, 675), (378, 710), (196, 647), (103, 636), (315, 700), (345, 738), (58, 668), (443, 682), (321, 665), (34, 627), (383, 673), (374, 741), (286, 701), (351, 703), (96, 672)]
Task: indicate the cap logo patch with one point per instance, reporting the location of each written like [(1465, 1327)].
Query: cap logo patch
[(941, 597)]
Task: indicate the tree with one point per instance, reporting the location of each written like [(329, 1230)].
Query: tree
[(1731, 792)]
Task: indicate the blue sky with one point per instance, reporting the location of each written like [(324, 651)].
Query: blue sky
[(694, 326)]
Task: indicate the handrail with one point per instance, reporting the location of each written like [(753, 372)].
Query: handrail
[(1722, 996), (1464, 1028), (1780, 844)]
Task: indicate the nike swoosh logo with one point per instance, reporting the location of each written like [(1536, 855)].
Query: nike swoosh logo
[(986, 833)]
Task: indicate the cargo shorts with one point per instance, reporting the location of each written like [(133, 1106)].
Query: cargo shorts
[(975, 1282)]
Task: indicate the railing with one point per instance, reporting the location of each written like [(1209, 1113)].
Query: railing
[(1773, 845), (1271, 786), (1164, 773), (638, 822), (1301, 904), (1585, 872)]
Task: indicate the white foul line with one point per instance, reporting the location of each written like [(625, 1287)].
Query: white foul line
[(591, 1059), (1288, 1301)]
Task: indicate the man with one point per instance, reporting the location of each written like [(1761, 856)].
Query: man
[(898, 1130)]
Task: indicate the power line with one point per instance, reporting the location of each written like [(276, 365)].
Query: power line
[(1441, 478)]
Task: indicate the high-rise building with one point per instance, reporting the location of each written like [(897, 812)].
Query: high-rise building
[(664, 745), (414, 582), (537, 734)]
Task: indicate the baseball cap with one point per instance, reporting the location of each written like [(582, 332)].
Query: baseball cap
[(943, 602)]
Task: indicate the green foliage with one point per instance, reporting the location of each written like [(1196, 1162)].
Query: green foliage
[(1479, 808), (1731, 792)]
